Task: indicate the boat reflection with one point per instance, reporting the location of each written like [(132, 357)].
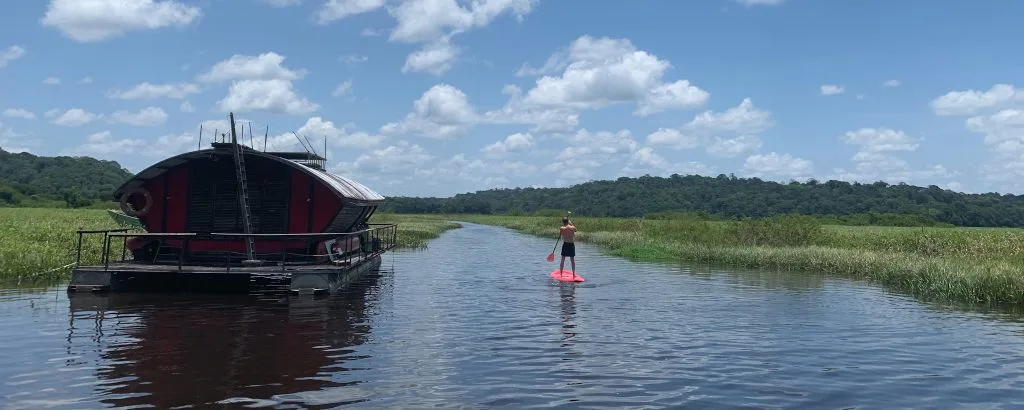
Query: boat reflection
[(174, 350)]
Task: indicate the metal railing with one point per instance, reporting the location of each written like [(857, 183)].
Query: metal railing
[(373, 241)]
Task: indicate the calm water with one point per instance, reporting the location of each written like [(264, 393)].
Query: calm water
[(474, 322)]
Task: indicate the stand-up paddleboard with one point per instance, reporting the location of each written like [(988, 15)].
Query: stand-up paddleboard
[(565, 276)]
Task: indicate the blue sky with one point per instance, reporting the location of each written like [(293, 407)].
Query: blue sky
[(437, 97)]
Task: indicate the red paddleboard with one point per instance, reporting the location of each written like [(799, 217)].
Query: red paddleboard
[(565, 276)]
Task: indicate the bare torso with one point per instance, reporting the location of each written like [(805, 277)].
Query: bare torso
[(568, 233)]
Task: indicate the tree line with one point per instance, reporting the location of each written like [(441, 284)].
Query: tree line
[(729, 197), (76, 182), (30, 180)]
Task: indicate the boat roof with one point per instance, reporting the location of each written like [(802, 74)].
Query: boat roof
[(342, 186)]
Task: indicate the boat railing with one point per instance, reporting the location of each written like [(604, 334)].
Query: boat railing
[(373, 241)]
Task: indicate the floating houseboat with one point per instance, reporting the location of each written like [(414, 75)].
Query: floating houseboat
[(231, 217)]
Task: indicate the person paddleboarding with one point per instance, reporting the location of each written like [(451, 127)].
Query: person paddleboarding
[(568, 232)]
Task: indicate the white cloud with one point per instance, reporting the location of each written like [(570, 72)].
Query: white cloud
[(775, 164), (876, 159), (832, 89), (672, 137), (98, 20), (186, 107), (105, 145), (10, 54), (317, 128), (275, 96), (442, 112), (421, 21), (893, 83), (744, 121), (338, 9), (19, 113), (603, 71), (430, 22), (147, 91), (266, 66), (342, 88), (85, 80), (972, 101), (51, 81), (517, 142), (435, 58), (73, 117), (881, 139), (148, 116), (734, 147)]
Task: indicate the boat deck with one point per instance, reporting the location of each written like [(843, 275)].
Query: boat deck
[(126, 276)]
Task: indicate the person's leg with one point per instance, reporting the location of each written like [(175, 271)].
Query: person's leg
[(572, 259), (561, 266)]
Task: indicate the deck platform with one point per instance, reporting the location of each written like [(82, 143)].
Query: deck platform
[(136, 277)]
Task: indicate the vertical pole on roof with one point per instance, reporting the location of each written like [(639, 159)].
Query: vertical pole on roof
[(200, 145), (251, 145), (265, 138), (325, 152)]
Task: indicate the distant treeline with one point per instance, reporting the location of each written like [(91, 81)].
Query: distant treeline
[(729, 197), (33, 181)]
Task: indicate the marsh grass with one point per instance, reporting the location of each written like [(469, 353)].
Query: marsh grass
[(34, 242), (951, 264)]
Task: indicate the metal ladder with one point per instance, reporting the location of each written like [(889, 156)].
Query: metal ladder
[(243, 193)]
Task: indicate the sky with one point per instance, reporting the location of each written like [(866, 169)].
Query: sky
[(439, 97)]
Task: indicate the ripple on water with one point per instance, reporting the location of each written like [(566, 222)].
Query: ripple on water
[(474, 322)]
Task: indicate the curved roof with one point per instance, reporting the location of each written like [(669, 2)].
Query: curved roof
[(342, 186)]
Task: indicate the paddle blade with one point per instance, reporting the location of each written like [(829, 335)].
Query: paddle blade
[(551, 257)]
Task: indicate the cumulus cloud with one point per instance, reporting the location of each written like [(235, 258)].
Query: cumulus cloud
[(274, 96), (10, 54), (877, 159), (265, 66), (19, 113), (73, 117), (149, 116), (97, 20), (442, 112), (832, 89), (775, 164), (970, 102), (432, 23), (148, 91), (731, 133), (597, 72), (517, 142)]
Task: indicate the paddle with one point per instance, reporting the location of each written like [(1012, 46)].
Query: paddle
[(551, 257)]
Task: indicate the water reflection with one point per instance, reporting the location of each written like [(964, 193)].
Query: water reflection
[(567, 295), (173, 350)]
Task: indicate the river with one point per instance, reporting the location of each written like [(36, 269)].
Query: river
[(475, 322)]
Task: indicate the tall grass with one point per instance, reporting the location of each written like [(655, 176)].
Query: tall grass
[(953, 264), (35, 243)]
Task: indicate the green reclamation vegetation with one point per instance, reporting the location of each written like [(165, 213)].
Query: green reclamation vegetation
[(972, 265)]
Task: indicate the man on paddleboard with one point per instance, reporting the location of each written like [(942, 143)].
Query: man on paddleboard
[(568, 232)]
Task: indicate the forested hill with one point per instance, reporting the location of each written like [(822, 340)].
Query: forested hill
[(731, 197), (30, 180)]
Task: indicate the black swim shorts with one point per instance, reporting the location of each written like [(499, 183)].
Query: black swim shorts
[(568, 249)]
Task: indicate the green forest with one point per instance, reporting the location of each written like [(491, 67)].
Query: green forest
[(76, 182), (729, 197), (28, 180)]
